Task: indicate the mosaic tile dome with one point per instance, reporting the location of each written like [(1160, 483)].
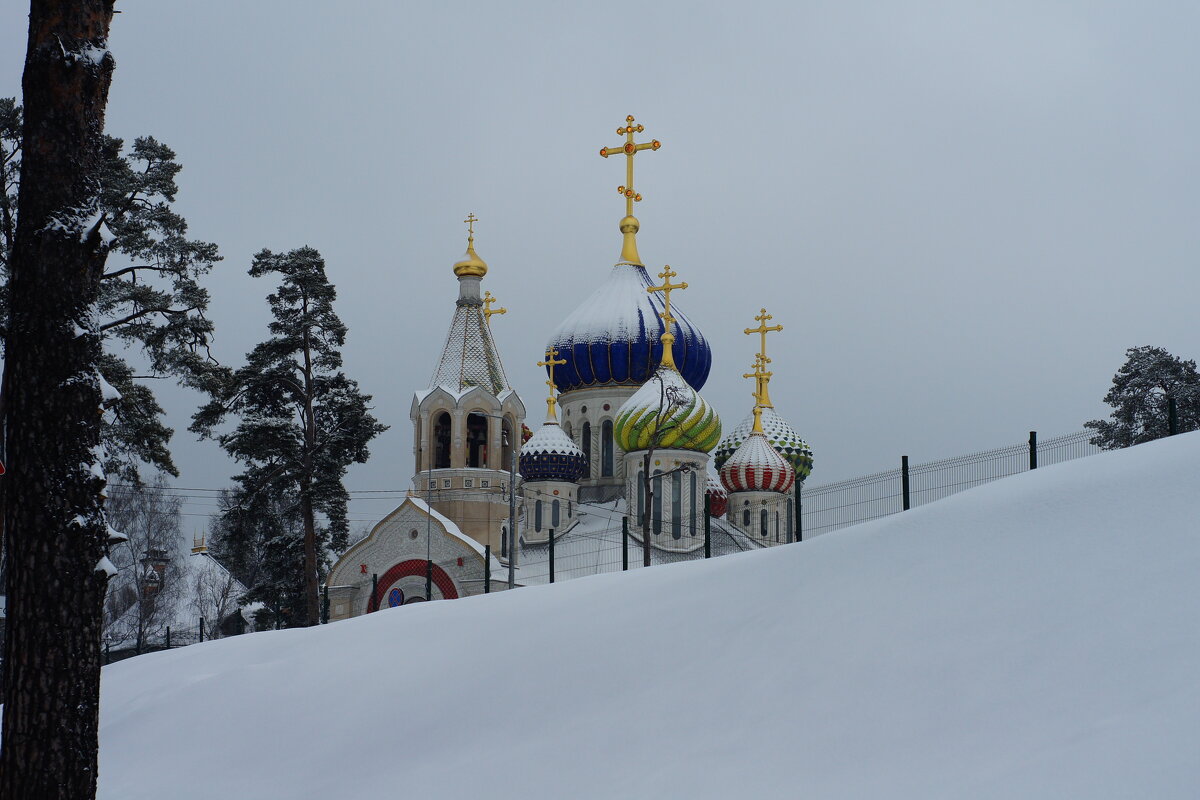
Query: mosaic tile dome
[(779, 433)]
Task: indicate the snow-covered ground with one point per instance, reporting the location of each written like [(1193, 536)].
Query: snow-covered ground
[(1038, 637)]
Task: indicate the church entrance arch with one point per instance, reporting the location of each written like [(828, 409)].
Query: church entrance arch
[(410, 568), (477, 435)]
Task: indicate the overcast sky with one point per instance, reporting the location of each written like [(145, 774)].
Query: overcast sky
[(962, 215)]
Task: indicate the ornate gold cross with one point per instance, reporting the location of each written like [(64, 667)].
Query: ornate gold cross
[(471, 220), (761, 378), (488, 311), (551, 362), (668, 338), (763, 330), (629, 225)]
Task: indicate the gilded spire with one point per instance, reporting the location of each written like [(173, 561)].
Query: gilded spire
[(668, 338), (630, 225), (487, 307), (762, 330), (471, 264), (761, 379), (550, 363)]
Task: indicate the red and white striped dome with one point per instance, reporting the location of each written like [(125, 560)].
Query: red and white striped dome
[(718, 498), (756, 467)]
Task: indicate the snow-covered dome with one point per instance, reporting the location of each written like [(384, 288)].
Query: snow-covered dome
[(550, 455), (756, 467), (613, 337), (718, 498), (779, 433), (691, 423)]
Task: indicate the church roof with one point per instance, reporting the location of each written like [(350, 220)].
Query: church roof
[(469, 357)]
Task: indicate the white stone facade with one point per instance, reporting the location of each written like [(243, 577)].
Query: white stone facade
[(766, 518), (588, 416), (676, 498)]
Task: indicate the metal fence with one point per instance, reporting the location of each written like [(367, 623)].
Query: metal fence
[(837, 505)]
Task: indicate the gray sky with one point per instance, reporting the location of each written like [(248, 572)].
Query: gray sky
[(961, 214)]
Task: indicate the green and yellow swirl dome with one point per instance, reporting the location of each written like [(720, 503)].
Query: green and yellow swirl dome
[(689, 422)]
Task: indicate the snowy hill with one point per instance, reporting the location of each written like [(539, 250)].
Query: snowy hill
[(1038, 637)]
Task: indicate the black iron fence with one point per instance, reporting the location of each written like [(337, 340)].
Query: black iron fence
[(837, 505)]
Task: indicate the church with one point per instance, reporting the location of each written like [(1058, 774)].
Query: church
[(629, 465)]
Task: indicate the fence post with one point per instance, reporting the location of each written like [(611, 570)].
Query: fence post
[(374, 590), (799, 511), (168, 637), (624, 543), (202, 629), (552, 555), (1033, 449), (487, 569), (707, 525), (1172, 417), (325, 604), (904, 480), (428, 579)]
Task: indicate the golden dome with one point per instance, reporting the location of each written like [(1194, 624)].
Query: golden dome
[(471, 264)]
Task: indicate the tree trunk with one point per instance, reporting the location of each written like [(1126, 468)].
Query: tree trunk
[(312, 607), (53, 509), (646, 511)]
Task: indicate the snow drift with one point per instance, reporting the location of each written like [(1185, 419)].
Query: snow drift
[(1038, 637)]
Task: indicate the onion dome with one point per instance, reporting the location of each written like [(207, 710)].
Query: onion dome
[(718, 498), (614, 336), (779, 433), (550, 455), (471, 264), (689, 424), (756, 467)]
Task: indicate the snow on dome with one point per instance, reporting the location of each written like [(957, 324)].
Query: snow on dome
[(779, 433), (550, 455), (691, 423), (756, 467), (613, 337), (718, 498)]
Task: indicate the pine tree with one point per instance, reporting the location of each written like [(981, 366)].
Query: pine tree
[(302, 422), (1140, 395), (151, 303), (54, 526)]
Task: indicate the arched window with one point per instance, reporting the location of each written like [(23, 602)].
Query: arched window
[(441, 441), (791, 524), (569, 509), (776, 526), (585, 443), (507, 442), (695, 510), (762, 523), (657, 493), (477, 426), (746, 517), (554, 514), (503, 542), (676, 506), (418, 437), (537, 516), (606, 449)]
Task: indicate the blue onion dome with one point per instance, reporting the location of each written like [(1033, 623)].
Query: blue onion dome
[(781, 435), (613, 337), (550, 455), (689, 422)]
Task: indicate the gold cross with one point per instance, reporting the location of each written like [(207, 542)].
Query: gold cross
[(629, 225), (551, 362), (487, 307), (763, 330), (761, 379), (471, 220), (668, 338)]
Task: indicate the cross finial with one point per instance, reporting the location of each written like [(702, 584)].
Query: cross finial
[(762, 330), (761, 378), (668, 338), (629, 225), (488, 311), (550, 362), (471, 220)]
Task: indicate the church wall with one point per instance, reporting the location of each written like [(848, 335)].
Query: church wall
[(549, 493), (392, 544), (677, 521), (746, 514), (596, 406)]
